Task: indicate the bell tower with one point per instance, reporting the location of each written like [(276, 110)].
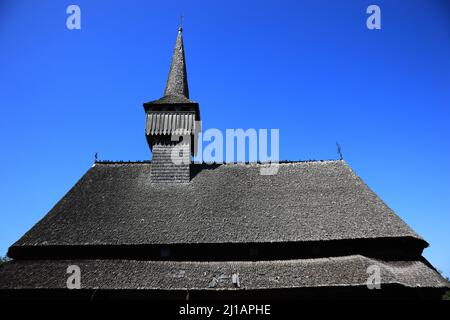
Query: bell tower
[(172, 124)]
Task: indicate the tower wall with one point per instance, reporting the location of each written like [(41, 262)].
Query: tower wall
[(171, 160)]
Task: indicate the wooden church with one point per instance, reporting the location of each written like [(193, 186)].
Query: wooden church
[(163, 230)]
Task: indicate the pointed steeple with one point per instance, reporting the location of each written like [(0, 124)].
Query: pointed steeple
[(173, 124), (177, 83)]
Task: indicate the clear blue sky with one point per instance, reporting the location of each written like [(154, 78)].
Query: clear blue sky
[(310, 68)]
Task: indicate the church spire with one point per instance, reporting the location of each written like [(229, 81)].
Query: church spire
[(172, 124), (177, 81)]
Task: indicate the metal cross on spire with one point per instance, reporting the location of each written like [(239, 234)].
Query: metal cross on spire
[(181, 23)]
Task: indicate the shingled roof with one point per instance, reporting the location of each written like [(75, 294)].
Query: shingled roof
[(173, 99), (253, 275), (116, 203), (317, 223)]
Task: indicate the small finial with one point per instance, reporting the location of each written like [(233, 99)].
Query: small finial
[(339, 151), (180, 29), (96, 157)]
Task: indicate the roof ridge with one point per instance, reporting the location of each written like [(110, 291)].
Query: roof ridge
[(285, 162)]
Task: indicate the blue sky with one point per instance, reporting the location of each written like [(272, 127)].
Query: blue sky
[(310, 68)]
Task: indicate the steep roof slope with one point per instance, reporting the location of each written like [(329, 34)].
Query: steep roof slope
[(116, 204)]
